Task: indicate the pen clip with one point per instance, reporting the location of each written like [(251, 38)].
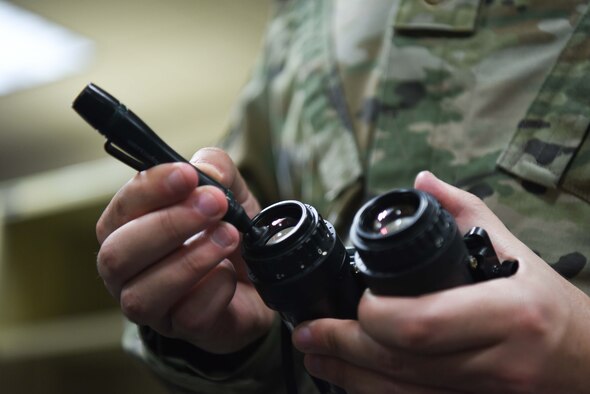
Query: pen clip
[(124, 157), (132, 142)]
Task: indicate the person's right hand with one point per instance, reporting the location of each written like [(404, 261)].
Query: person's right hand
[(171, 262)]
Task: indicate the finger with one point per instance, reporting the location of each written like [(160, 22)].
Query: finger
[(355, 379), (221, 315), (454, 320), (457, 373), (145, 240), (149, 297), (470, 211), (490, 370), (149, 190), (219, 166), (347, 341), (459, 203)]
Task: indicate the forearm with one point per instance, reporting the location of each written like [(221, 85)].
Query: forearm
[(256, 370)]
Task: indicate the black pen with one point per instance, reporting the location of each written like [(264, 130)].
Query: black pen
[(134, 143)]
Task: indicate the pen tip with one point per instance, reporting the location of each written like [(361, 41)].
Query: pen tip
[(256, 234)]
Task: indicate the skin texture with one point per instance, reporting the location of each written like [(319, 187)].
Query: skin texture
[(165, 254), (523, 334)]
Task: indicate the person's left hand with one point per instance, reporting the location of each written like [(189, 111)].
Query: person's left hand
[(529, 333)]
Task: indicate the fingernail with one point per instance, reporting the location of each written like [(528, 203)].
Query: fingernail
[(176, 181), (302, 338), (222, 237), (206, 204), (425, 174)]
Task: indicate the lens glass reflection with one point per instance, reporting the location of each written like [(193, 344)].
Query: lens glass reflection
[(281, 229), (393, 219)]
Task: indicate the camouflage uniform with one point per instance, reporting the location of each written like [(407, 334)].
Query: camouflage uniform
[(352, 98)]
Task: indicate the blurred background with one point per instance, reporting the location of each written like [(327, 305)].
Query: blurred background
[(178, 64)]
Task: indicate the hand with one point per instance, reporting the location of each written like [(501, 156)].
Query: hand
[(529, 333), (173, 265)]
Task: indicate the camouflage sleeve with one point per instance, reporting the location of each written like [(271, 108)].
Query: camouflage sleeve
[(259, 373)]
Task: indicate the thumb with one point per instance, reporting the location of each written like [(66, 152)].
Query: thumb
[(468, 209), (453, 199)]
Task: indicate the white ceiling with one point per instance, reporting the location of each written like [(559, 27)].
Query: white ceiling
[(178, 64)]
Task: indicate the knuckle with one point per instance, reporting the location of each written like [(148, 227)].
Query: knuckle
[(132, 306), (534, 320), (331, 341), (333, 337), (107, 262), (115, 214), (101, 229), (118, 208), (418, 331), (169, 225), (192, 263), (201, 255)]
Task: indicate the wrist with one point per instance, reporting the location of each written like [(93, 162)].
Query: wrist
[(209, 363)]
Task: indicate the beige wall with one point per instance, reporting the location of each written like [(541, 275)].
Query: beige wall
[(178, 64)]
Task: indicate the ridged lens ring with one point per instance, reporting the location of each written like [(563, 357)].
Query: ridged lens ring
[(299, 266), (407, 243), (295, 238)]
